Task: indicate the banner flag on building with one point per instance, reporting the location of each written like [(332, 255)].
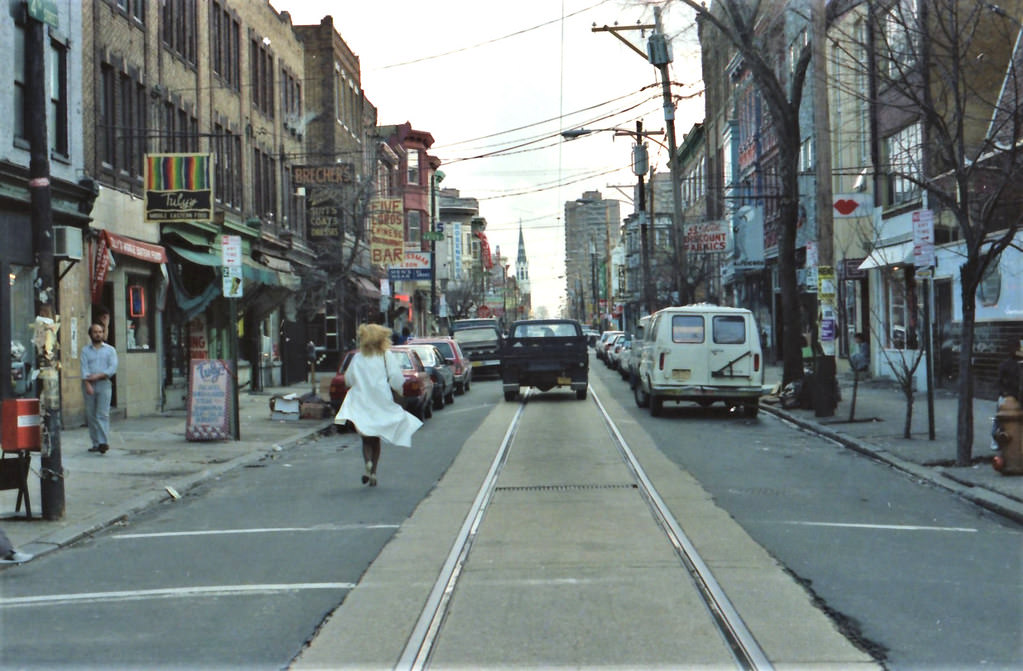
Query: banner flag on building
[(488, 262), (179, 187)]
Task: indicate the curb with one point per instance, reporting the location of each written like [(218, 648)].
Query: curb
[(998, 503), (66, 536)]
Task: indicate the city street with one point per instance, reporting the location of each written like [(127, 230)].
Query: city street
[(252, 565)]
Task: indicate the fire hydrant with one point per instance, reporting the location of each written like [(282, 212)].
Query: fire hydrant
[(1009, 437)]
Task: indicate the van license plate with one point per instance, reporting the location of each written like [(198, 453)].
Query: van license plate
[(680, 374), (564, 380)]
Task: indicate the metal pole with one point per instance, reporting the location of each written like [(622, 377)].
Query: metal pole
[(233, 327), (52, 470), (676, 179), (928, 362)]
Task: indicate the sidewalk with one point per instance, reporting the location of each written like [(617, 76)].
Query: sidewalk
[(149, 454), (877, 431)]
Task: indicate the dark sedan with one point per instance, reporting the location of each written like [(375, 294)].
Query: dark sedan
[(440, 372)]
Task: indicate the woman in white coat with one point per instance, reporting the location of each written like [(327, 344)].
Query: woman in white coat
[(369, 405)]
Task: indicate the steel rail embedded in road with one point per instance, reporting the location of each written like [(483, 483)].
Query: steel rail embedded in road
[(424, 634), (743, 644), (740, 641)]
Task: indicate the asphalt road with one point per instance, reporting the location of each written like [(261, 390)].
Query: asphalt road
[(918, 576), (240, 572)]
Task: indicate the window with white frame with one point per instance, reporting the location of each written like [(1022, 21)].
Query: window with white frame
[(414, 219), (904, 153), (901, 34), (413, 166)]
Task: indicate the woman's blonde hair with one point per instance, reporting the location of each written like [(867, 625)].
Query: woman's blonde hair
[(374, 339)]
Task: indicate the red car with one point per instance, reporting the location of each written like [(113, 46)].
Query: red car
[(338, 388), (417, 390), (460, 364)]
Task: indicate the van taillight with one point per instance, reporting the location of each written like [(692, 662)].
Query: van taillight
[(756, 363), (660, 362)]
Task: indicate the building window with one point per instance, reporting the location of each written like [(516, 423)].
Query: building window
[(291, 102), (225, 33), (901, 35), (106, 142), (178, 28), (904, 152), (57, 122), (20, 83), (413, 166), (261, 75), (901, 321), (264, 184), (227, 166), (413, 236)]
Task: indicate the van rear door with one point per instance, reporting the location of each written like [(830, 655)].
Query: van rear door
[(733, 351)]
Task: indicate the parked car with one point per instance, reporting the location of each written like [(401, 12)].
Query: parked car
[(603, 342), (417, 390), (602, 345), (482, 344), (701, 353), (460, 324), (440, 372), (338, 388), (613, 349), (619, 353), (418, 387), (591, 336), (461, 367)]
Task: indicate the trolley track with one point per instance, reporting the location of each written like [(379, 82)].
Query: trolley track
[(428, 630)]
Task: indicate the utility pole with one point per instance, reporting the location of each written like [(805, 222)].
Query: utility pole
[(825, 398), (640, 161), (659, 54), (47, 348)]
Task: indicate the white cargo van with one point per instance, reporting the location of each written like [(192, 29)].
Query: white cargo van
[(701, 353)]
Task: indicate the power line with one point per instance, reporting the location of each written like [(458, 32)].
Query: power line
[(491, 41)]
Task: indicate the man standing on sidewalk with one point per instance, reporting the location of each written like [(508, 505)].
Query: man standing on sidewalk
[(99, 364)]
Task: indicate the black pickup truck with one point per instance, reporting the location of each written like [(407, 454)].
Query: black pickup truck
[(544, 353)]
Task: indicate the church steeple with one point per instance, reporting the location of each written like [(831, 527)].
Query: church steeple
[(521, 264)]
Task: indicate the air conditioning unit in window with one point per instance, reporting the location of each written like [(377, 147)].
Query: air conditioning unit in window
[(67, 243)]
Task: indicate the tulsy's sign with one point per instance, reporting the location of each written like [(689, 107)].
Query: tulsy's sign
[(179, 187)]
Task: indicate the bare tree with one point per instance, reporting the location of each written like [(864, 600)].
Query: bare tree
[(950, 69), (337, 255), (753, 30)]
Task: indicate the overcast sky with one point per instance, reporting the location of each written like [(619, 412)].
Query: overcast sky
[(503, 79)]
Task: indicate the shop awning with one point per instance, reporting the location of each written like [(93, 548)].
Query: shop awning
[(897, 254), (276, 263), (251, 270), (366, 288), (198, 258), (146, 251)]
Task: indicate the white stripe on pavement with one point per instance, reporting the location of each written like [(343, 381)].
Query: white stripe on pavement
[(167, 593), (891, 527), (266, 530)]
